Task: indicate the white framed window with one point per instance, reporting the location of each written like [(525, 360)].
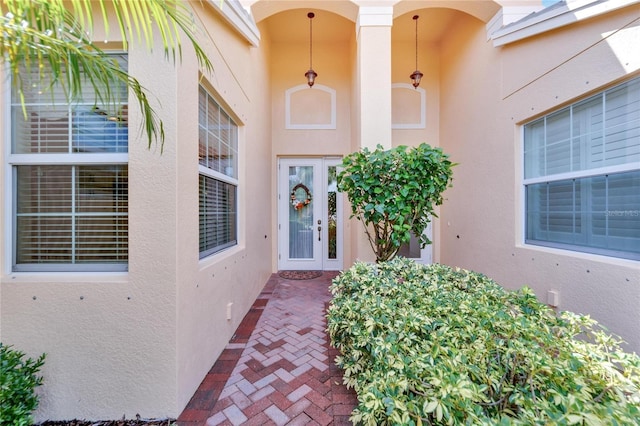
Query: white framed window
[(69, 178), (582, 175), (218, 180)]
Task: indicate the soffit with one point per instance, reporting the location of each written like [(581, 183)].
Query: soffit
[(293, 26), (433, 25)]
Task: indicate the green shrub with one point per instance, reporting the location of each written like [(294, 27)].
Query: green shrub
[(18, 380), (394, 193), (436, 345)]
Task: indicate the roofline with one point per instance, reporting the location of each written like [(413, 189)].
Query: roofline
[(236, 15), (553, 17)]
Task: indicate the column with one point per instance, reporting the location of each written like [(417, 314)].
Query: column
[(374, 75)]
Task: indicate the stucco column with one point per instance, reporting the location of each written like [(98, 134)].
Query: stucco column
[(374, 75), (372, 97)]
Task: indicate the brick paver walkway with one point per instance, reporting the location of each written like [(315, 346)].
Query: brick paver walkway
[(278, 368)]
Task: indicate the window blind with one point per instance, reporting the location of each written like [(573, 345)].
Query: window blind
[(602, 131), (218, 159), (597, 142), (218, 228), (218, 137), (49, 124), (71, 214)]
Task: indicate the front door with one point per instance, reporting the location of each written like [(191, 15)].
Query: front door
[(309, 214)]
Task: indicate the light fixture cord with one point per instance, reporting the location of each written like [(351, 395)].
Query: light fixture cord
[(310, 43), (416, 43)]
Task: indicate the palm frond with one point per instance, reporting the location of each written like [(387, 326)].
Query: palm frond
[(58, 33), (171, 17)]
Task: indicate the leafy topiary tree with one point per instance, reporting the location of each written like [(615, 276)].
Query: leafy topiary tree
[(394, 193), (18, 380)]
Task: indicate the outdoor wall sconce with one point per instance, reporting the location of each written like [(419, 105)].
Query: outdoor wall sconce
[(311, 74), (417, 75)]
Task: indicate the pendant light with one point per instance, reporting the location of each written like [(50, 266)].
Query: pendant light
[(311, 74), (417, 75)]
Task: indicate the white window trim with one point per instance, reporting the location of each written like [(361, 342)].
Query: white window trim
[(202, 170), (621, 168), (7, 226), (614, 254), (66, 159)]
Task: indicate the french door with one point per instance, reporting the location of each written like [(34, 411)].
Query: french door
[(309, 214)]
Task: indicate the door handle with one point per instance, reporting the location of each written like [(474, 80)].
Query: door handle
[(319, 231)]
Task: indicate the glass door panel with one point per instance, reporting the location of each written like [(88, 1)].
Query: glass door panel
[(301, 212), (332, 213)]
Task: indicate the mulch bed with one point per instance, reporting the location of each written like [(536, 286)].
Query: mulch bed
[(299, 275), (152, 422)]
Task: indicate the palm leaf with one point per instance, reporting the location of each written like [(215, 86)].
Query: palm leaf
[(39, 32)]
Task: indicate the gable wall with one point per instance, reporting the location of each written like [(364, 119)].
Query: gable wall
[(487, 94)]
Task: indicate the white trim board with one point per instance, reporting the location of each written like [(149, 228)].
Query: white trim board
[(554, 17), (237, 16), (331, 125)]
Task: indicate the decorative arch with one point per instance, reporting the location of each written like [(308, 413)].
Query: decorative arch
[(310, 108), (482, 10), (263, 9)]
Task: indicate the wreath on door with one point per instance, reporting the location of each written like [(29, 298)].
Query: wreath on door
[(297, 202)]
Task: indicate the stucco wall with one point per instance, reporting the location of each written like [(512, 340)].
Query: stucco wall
[(140, 342), (110, 337), (401, 67), (235, 276), (289, 62), (486, 94), (332, 60)]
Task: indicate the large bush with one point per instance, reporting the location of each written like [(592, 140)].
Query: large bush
[(394, 193), (18, 380), (436, 345)]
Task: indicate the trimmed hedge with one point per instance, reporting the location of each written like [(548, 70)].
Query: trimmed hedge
[(435, 345), (18, 380)]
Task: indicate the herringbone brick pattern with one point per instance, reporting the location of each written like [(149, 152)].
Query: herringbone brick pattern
[(284, 373)]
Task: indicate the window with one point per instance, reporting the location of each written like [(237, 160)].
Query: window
[(218, 152), (582, 175), (69, 179)]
